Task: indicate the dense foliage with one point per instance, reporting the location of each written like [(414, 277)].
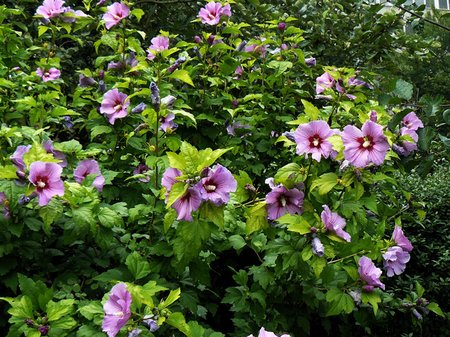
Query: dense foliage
[(215, 174)]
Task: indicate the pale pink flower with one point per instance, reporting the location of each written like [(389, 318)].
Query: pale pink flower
[(369, 273), (89, 167), (323, 82), (311, 138), (263, 333), (48, 75), (394, 261), (365, 146), (401, 240), (115, 13), (334, 223), (50, 8), (212, 12), (117, 310), (217, 185), (114, 105), (188, 203), (46, 177), (412, 122), (159, 44)]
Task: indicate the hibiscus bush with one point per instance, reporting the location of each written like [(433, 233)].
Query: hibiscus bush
[(153, 184)]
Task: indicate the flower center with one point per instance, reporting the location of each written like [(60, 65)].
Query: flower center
[(118, 314), (366, 144), (210, 188), (283, 201), (118, 107), (40, 184), (316, 142)]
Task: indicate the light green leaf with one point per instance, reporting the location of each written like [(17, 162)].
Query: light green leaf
[(38, 153), (71, 146), (188, 242), (94, 308), (173, 296), (339, 301), (178, 321), (176, 192), (176, 161), (325, 183), (310, 110), (185, 114), (213, 213), (64, 323), (50, 213), (8, 172), (256, 218), (403, 89), (99, 130), (138, 13), (434, 307), (137, 265), (296, 223), (109, 218), (208, 157), (56, 310), (373, 298), (182, 75), (290, 174)]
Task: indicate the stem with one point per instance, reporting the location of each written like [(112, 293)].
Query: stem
[(124, 68), (158, 79), (351, 255)]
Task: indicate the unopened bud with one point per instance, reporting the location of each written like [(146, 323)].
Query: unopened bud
[(101, 86), (211, 39), (43, 329), (317, 247), (241, 45), (156, 100), (139, 108), (281, 26), (197, 39), (417, 314)]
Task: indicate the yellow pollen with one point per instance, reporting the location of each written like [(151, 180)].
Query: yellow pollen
[(40, 184), (366, 143)]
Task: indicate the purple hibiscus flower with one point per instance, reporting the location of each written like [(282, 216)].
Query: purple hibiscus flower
[(212, 12), (170, 178), (73, 15), (334, 223), (369, 274), (48, 146), (317, 247), (188, 203), (395, 260), (50, 9), (114, 105), (151, 322), (167, 123), (48, 75), (310, 62), (87, 167), (365, 146), (115, 13), (412, 122), (47, 179), (264, 333), (282, 200), (217, 185), (405, 148), (142, 169), (311, 138), (117, 310), (401, 240), (17, 157), (323, 82), (159, 44)]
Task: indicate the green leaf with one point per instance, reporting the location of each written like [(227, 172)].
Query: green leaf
[(8, 172), (50, 213), (325, 183), (213, 213), (42, 30), (20, 308), (109, 218), (419, 289), (176, 192), (33, 333), (64, 323), (256, 218), (89, 331), (37, 291), (71, 146), (373, 298), (94, 308), (296, 223), (99, 130), (188, 242), (137, 265), (290, 174), (237, 241), (242, 193), (185, 114), (209, 157), (38, 153), (138, 13), (403, 89), (178, 321), (176, 161), (182, 75), (317, 264), (434, 307), (310, 110), (173, 296), (339, 302), (56, 310)]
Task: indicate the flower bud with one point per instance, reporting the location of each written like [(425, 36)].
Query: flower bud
[(197, 52), (235, 103), (139, 108), (197, 39), (368, 288), (23, 199), (211, 39), (101, 74), (156, 100), (310, 61), (168, 101), (241, 45), (101, 86), (417, 314), (373, 116), (313, 230), (281, 26), (43, 329), (29, 322), (317, 247)]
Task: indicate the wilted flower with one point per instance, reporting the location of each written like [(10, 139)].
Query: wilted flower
[(317, 247), (401, 240), (86, 81), (264, 333), (47, 179), (117, 310), (212, 12), (168, 101), (311, 138), (114, 105), (156, 99), (48, 146), (88, 167), (324, 81), (159, 44), (188, 203), (50, 8), (48, 75), (310, 61), (334, 223), (134, 333), (369, 273), (365, 146), (152, 323), (197, 39), (281, 201), (412, 122), (395, 260), (142, 169), (17, 157), (167, 124), (354, 82), (217, 185), (115, 13), (139, 108)]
